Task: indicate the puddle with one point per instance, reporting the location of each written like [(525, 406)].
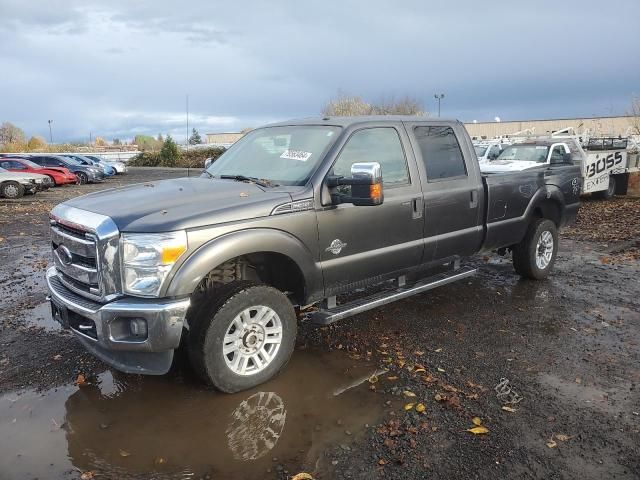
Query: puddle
[(40, 316), (166, 427)]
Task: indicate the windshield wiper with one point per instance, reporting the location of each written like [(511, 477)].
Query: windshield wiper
[(243, 178)]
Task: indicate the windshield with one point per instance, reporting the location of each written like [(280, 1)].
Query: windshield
[(31, 164), (480, 150), (72, 161), (525, 153), (281, 155)]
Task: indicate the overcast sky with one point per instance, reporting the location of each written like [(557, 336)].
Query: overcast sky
[(117, 68)]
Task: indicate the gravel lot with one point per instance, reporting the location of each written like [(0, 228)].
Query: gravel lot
[(569, 347)]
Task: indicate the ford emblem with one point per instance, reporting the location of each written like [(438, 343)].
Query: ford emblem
[(64, 255)]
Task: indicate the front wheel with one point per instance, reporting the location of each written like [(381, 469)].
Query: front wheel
[(11, 190), (535, 255), (82, 178), (241, 335)]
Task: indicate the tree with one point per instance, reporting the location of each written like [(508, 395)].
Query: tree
[(147, 142), (36, 143), (160, 138), (10, 134), (195, 138), (116, 141), (169, 152), (346, 105), (100, 142), (634, 113)]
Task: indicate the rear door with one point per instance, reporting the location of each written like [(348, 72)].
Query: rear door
[(452, 190), (362, 243)]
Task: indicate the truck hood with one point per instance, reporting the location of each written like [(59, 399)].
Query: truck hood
[(495, 166), (181, 203)]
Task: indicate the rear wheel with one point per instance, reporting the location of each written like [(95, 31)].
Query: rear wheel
[(610, 191), (535, 255), (52, 181), (11, 190), (241, 335), (82, 178)]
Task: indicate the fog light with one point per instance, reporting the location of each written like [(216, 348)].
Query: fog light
[(138, 327)]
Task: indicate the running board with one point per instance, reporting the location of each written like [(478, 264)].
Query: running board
[(327, 316)]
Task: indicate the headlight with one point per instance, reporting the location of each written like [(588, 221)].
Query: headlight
[(148, 258)]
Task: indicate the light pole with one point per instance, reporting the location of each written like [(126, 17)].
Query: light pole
[(439, 97), (50, 134)]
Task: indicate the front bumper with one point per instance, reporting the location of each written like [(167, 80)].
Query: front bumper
[(104, 328)]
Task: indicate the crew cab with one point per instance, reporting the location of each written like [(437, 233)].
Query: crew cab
[(290, 217)]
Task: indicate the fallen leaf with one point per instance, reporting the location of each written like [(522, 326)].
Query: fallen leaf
[(408, 393), (81, 380), (160, 461), (420, 408), (373, 378), (401, 363), (440, 398), (476, 421), (420, 370), (57, 357), (438, 350), (124, 453), (418, 353), (87, 475), (563, 438), (429, 379), (387, 360), (302, 476), (478, 430), (441, 370), (552, 444), (389, 443), (392, 378), (509, 409), (409, 406), (382, 461)]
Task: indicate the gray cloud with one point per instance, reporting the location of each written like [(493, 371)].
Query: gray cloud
[(116, 68)]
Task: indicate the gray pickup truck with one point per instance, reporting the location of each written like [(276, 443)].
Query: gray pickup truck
[(294, 215)]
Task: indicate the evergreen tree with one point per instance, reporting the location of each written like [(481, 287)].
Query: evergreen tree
[(169, 152), (195, 138)]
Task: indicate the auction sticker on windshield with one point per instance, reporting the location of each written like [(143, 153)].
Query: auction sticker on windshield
[(296, 155)]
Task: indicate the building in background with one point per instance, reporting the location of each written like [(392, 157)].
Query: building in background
[(605, 126), (223, 139)]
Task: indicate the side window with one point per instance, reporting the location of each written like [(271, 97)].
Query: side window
[(557, 155), (440, 152), (5, 165), (382, 145)]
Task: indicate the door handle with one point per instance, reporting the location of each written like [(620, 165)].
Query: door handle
[(417, 207), (474, 199)]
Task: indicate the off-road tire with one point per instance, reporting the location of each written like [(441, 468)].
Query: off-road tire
[(82, 178), (525, 253), (210, 320), (11, 189)]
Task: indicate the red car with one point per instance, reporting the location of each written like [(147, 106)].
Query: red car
[(58, 175)]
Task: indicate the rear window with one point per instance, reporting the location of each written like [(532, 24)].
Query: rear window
[(440, 153)]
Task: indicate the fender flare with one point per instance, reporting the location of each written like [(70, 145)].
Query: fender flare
[(546, 193), (243, 242)]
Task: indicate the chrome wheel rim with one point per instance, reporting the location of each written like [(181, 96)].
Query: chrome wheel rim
[(11, 191), (544, 250), (252, 340)]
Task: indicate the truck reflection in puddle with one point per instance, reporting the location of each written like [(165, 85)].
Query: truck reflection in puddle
[(129, 426)]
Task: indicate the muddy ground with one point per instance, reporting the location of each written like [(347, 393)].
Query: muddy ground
[(350, 404)]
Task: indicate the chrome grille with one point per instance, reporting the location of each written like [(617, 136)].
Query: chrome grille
[(86, 253), (75, 257)]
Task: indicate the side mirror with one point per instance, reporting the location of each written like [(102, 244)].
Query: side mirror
[(365, 182), (208, 162)]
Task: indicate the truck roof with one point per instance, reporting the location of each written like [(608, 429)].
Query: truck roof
[(353, 120)]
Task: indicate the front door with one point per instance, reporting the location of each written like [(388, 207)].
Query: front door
[(359, 244)]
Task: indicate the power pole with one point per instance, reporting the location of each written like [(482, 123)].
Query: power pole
[(50, 133), (439, 97), (187, 142)]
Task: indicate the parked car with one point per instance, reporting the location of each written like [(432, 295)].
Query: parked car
[(119, 167), (84, 173), (292, 215), (56, 175), (106, 169), (15, 185), (488, 150)]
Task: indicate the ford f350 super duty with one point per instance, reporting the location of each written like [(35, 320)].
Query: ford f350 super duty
[(291, 216)]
